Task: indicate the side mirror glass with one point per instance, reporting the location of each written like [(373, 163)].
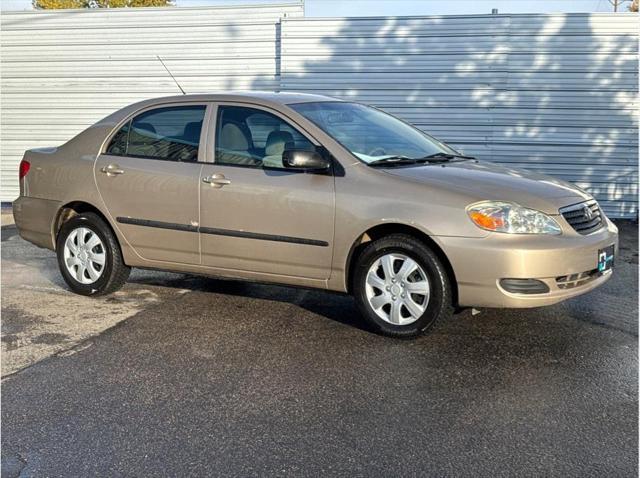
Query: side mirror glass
[(304, 159)]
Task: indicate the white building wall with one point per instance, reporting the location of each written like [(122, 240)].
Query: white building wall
[(552, 93), (63, 70)]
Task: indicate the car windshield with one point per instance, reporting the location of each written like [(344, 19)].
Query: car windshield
[(370, 134)]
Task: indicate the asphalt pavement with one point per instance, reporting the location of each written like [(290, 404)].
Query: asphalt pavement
[(186, 376)]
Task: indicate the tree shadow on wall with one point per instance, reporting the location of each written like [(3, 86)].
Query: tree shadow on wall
[(549, 93)]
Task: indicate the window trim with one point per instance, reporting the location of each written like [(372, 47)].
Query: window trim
[(129, 119), (213, 128)]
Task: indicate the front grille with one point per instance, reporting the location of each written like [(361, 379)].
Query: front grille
[(585, 217), (576, 280)]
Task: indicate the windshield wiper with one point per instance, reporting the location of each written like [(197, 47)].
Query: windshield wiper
[(432, 158), (443, 157), (393, 160)]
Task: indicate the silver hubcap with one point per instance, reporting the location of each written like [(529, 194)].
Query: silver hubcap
[(397, 289), (84, 255)]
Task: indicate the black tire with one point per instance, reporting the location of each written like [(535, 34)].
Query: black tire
[(115, 272), (439, 305)]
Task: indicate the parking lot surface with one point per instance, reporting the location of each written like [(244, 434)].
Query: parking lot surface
[(185, 376)]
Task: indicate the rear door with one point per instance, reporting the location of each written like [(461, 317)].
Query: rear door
[(148, 177), (256, 215)]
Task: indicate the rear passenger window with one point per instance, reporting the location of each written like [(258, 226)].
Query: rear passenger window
[(170, 133), (118, 145)]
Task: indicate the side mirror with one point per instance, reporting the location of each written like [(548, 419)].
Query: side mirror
[(303, 159)]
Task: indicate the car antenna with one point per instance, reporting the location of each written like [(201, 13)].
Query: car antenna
[(172, 77)]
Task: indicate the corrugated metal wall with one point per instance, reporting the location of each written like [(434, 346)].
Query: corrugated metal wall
[(553, 93), (64, 70)]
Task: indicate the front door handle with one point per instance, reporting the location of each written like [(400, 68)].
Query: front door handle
[(112, 170), (216, 180)]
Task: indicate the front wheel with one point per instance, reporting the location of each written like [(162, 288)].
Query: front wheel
[(401, 286), (89, 256)]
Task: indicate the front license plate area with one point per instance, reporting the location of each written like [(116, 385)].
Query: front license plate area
[(605, 258)]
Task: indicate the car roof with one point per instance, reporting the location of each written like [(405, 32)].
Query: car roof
[(264, 98), (281, 97)]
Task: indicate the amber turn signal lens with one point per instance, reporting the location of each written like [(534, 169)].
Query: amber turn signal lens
[(485, 221), (511, 218)]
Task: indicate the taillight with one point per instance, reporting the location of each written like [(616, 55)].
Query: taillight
[(24, 168)]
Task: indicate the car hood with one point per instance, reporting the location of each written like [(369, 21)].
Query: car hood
[(488, 181)]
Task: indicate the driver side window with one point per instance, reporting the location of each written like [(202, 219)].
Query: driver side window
[(251, 137)]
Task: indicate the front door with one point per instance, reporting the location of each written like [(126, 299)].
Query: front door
[(256, 215), (148, 179)]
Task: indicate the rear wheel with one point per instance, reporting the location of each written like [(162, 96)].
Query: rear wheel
[(401, 286), (89, 256)]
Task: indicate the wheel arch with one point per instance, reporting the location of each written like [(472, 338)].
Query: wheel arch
[(72, 209), (381, 230)]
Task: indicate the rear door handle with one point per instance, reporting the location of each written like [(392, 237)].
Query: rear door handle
[(112, 170), (216, 180)]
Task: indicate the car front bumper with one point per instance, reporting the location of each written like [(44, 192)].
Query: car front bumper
[(480, 264)]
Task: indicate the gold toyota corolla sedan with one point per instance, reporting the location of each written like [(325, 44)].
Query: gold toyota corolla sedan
[(309, 191)]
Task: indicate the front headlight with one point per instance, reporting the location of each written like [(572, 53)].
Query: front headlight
[(511, 218)]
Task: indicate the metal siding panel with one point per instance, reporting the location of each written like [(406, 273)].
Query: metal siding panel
[(48, 20), (554, 93), (64, 70)]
